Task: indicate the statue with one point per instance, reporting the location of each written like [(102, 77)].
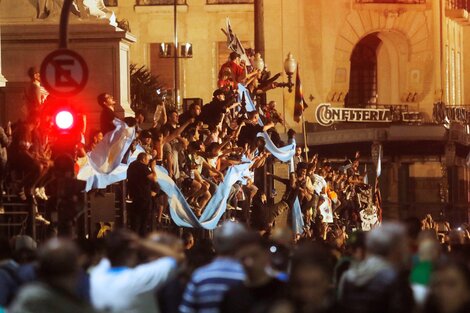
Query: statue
[(83, 9)]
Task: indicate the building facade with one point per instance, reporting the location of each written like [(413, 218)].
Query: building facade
[(404, 56)]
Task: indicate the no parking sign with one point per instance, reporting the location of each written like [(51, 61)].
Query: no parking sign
[(64, 73)]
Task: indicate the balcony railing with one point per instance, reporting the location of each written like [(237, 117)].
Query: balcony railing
[(393, 1), (458, 4), (111, 3), (230, 1), (159, 2)]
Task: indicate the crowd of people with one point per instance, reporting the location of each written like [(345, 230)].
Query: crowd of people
[(343, 259), (395, 267), (198, 146)]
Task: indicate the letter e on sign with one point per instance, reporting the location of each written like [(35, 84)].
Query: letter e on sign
[(64, 73)]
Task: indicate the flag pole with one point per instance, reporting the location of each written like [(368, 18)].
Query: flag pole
[(305, 138), (378, 199)]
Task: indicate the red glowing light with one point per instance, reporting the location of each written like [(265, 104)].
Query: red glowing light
[(64, 120)]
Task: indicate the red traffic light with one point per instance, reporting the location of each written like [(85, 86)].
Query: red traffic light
[(64, 120)]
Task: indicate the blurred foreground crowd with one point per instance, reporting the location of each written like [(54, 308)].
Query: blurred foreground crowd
[(395, 267)]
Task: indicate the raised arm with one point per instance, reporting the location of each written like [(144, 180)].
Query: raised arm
[(178, 131), (268, 126)]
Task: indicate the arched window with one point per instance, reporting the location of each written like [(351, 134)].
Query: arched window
[(363, 77)]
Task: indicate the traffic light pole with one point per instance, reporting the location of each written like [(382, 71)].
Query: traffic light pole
[(64, 24), (68, 201)]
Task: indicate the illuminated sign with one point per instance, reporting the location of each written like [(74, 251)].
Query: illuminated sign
[(327, 115), (443, 114)]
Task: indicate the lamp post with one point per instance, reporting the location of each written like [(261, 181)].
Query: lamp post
[(175, 57), (290, 64), (258, 62)]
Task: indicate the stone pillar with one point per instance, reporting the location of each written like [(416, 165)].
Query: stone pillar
[(259, 26), (438, 19)]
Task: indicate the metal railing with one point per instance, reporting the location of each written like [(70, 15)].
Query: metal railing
[(458, 4), (393, 1), (230, 1), (159, 2)]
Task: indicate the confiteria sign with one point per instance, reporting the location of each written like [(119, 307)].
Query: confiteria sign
[(327, 115)]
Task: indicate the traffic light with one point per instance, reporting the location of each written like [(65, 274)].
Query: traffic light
[(64, 120), (66, 129), (67, 135)]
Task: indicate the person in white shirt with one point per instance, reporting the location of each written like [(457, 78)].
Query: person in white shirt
[(34, 94), (118, 284)]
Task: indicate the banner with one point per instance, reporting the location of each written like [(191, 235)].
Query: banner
[(326, 210)]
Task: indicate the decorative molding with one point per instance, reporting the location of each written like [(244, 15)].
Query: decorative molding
[(229, 8)]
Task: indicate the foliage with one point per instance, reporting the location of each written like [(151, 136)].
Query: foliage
[(144, 87)]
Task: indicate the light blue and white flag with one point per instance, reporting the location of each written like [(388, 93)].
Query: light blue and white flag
[(218, 203), (244, 93), (108, 154), (102, 166), (181, 211), (284, 154), (297, 218)]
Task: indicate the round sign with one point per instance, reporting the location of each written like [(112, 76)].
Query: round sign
[(64, 73)]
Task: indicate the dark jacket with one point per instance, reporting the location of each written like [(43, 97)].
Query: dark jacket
[(39, 297), (374, 286), (106, 120)]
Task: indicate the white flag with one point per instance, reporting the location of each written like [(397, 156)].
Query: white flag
[(366, 178), (379, 162)]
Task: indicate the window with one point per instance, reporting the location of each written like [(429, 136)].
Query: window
[(363, 78), (164, 68)]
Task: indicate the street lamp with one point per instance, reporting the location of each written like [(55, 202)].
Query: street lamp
[(290, 65), (186, 50), (168, 50), (258, 62)]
